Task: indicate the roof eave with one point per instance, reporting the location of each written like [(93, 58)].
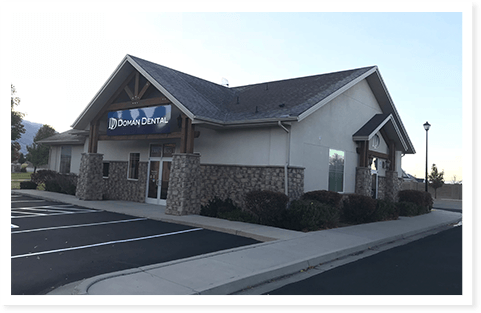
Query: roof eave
[(77, 124)]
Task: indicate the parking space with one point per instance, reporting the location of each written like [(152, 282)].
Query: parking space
[(54, 244)]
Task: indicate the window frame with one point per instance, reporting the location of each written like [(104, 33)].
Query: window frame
[(129, 166), (64, 156), (330, 170), (108, 169)]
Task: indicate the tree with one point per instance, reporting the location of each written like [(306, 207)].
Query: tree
[(17, 127), (37, 152), (436, 179)]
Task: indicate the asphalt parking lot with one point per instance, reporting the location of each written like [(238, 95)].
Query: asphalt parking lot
[(54, 244)]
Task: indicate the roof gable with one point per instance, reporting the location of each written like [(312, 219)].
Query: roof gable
[(207, 102)]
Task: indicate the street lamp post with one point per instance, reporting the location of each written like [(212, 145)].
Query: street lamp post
[(426, 127)]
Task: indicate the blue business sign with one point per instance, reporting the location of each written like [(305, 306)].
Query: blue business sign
[(151, 120)]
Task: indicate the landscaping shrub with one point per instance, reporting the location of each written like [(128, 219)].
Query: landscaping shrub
[(226, 209), (324, 196), (53, 186), (216, 206), (238, 215), (385, 210), (40, 177), (358, 209), (309, 215), (268, 206), (409, 208), (420, 198), (28, 185), (56, 182)]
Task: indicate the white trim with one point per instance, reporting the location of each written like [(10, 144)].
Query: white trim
[(335, 94), (89, 106)]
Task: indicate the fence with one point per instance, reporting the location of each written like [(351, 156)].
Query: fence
[(447, 191)]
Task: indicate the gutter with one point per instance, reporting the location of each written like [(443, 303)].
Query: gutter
[(288, 155)]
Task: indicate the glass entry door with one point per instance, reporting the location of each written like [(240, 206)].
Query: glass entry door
[(160, 162)]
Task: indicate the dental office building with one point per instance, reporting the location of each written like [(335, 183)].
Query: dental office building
[(153, 134)]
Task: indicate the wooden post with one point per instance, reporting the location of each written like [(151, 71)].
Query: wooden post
[(190, 137), (392, 155), (183, 135), (94, 137)]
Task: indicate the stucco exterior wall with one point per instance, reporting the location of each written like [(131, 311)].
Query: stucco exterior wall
[(332, 127), (254, 146)]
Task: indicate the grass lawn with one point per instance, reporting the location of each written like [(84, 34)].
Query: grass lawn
[(21, 176), (17, 178)]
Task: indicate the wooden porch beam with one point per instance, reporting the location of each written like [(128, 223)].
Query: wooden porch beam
[(105, 108), (136, 88), (145, 137), (129, 92), (138, 104), (141, 93)]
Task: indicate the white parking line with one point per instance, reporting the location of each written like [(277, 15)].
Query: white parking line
[(45, 209), (17, 201), (104, 243), (14, 226), (26, 213), (78, 225), (52, 214)]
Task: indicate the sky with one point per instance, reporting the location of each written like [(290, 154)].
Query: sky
[(59, 54), (62, 56)]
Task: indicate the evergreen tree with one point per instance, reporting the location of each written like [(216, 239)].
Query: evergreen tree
[(37, 152), (17, 127), (436, 179)]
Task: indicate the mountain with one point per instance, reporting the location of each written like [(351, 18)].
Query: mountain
[(31, 130)]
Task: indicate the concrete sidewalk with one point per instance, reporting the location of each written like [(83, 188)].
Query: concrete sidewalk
[(283, 252)]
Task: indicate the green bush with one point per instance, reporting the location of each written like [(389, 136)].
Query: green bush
[(268, 206), (358, 209), (238, 215), (218, 206), (409, 208), (385, 210), (56, 182), (53, 186), (420, 198), (28, 185), (310, 215), (41, 176), (324, 196), (226, 209)]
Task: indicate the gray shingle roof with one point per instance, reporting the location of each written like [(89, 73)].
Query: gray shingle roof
[(275, 99), (71, 136)]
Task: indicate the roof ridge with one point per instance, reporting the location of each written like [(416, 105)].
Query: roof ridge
[(366, 68)]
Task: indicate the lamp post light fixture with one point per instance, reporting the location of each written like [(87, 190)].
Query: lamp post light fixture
[(426, 127)]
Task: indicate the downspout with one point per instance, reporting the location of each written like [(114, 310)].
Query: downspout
[(288, 155)]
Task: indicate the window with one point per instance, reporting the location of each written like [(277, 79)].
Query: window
[(134, 166), (65, 157), (105, 170), (336, 170)]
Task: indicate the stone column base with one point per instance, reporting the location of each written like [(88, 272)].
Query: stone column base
[(363, 181), (392, 186), (90, 182), (183, 193)]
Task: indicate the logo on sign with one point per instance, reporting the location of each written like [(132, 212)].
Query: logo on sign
[(139, 121)]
